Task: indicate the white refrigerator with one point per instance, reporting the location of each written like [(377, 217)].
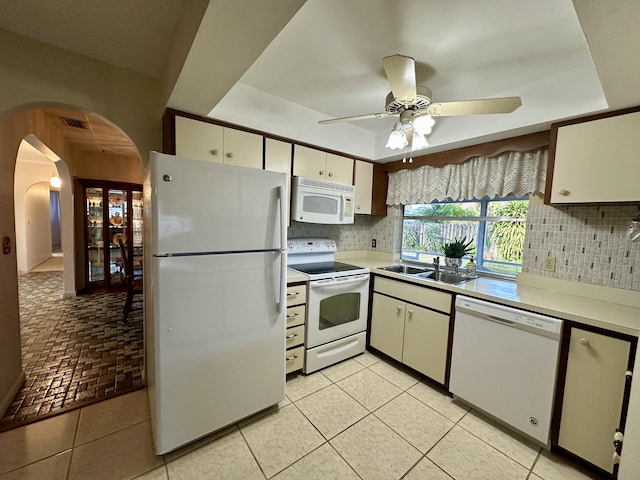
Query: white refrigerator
[(215, 292)]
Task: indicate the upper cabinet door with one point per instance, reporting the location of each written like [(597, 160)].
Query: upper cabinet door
[(339, 169), (242, 149), (309, 162), (199, 140), (595, 161), (319, 165), (277, 158), (364, 186)]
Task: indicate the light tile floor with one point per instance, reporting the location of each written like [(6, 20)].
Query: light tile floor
[(365, 418)]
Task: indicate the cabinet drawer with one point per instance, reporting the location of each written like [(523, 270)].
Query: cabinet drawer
[(295, 336), (296, 295), (294, 359), (295, 315), (415, 294)]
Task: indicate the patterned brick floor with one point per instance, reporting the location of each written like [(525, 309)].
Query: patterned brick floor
[(75, 350)]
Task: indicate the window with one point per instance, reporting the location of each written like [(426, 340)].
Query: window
[(496, 228)]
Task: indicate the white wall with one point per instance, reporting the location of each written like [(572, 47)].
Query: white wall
[(27, 174), (36, 75), (37, 220)]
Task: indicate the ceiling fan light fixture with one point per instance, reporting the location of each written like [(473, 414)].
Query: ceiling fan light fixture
[(397, 138), (418, 141), (423, 124)]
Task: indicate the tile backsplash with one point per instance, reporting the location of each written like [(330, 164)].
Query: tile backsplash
[(591, 244), (387, 231)]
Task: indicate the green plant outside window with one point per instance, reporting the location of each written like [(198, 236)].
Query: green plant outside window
[(495, 227)]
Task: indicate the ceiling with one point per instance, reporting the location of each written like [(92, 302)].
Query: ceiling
[(564, 59)]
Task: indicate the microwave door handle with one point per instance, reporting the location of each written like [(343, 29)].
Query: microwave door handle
[(344, 207)]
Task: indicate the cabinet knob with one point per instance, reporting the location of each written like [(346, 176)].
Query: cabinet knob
[(330, 174), (584, 341), (357, 207), (214, 151), (321, 172), (564, 193), (410, 313), (399, 308), (230, 155)]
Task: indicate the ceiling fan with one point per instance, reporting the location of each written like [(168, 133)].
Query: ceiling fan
[(412, 104)]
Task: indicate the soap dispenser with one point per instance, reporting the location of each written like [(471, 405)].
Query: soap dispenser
[(471, 268)]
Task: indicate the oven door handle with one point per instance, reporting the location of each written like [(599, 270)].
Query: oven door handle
[(324, 284)]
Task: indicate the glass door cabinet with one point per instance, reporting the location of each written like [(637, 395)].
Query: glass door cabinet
[(112, 214)]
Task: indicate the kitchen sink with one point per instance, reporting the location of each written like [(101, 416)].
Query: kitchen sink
[(445, 277), (406, 269)]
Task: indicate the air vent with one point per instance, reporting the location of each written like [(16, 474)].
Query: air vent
[(72, 122)]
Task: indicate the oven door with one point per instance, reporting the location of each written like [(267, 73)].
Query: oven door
[(336, 308)]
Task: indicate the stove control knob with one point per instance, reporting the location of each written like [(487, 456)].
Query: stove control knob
[(290, 245)]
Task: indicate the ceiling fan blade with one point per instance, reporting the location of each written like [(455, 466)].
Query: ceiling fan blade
[(401, 73), (474, 107), (355, 118)]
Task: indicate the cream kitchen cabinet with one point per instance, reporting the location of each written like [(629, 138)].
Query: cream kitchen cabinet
[(410, 323), (594, 393), (277, 158), (364, 186), (295, 318), (319, 165), (595, 159), (214, 143)]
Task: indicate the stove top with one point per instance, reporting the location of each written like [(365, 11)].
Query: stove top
[(325, 267), (315, 257)]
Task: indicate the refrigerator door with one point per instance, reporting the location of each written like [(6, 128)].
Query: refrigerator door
[(219, 349), (199, 206)]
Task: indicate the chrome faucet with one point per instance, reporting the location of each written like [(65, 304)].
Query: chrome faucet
[(436, 263), (456, 269)]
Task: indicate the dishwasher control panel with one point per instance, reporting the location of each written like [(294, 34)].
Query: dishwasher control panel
[(508, 315)]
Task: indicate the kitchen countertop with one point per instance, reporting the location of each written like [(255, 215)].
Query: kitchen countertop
[(613, 316), (294, 276)]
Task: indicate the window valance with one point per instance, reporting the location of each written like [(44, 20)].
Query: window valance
[(508, 174)]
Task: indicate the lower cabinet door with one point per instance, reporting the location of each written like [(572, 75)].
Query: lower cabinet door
[(426, 335), (593, 396), (387, 325)]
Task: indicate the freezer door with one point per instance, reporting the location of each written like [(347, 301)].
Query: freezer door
[(198, 206), (218, 346)]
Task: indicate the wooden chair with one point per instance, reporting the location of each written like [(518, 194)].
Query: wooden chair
[(132, 279)]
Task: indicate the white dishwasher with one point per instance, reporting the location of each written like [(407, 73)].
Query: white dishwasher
[(504, 362)]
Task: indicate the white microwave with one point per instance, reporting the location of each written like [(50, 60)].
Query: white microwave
[(317, 201)]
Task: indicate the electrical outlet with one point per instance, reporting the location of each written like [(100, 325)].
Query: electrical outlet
[(373, 243), (549, 264)]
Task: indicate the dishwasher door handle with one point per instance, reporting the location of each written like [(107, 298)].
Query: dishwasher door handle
[(501, 320)]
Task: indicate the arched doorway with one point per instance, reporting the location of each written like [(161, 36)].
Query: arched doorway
[(99, 150)]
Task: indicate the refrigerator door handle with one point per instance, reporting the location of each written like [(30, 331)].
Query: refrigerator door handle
[(282, 298)]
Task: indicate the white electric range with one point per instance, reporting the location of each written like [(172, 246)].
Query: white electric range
[(337, 302)]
